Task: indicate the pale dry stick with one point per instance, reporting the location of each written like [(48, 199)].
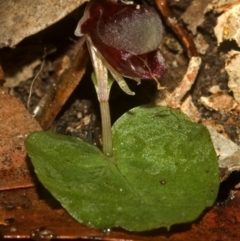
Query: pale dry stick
[(53, 101), (177, 28), (34, 79), (174, 99)]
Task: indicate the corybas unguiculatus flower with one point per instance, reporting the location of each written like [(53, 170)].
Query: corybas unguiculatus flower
[(126, 38)]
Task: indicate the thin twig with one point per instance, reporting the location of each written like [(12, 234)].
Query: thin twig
[(174, 99), (52, 102), (177, 28), (33, 81)]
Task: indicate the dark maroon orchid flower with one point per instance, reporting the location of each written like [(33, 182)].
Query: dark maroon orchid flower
[(126, 37)]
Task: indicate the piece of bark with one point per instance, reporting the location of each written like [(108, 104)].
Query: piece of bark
[(71, 75), (15, 124)]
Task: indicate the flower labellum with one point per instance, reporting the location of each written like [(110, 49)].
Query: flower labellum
[(126, 36)]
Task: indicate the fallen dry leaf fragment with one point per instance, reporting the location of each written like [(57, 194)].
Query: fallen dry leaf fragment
[(219, 101), (194, 17), (22, 18), (228, 25), (201, 44), (232, 67), (228, 153), (24, 73), (20, 64), (15, 124), (214, 89)]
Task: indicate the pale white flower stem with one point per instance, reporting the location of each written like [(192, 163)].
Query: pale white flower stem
[(102, 84)]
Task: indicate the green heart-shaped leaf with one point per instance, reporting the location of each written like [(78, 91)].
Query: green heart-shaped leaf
[(163, 171)]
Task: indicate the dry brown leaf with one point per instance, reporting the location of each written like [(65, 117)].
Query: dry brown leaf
[(15, 124), (22, 18)]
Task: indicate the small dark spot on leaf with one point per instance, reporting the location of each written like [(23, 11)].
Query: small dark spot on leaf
[(163, 182)]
